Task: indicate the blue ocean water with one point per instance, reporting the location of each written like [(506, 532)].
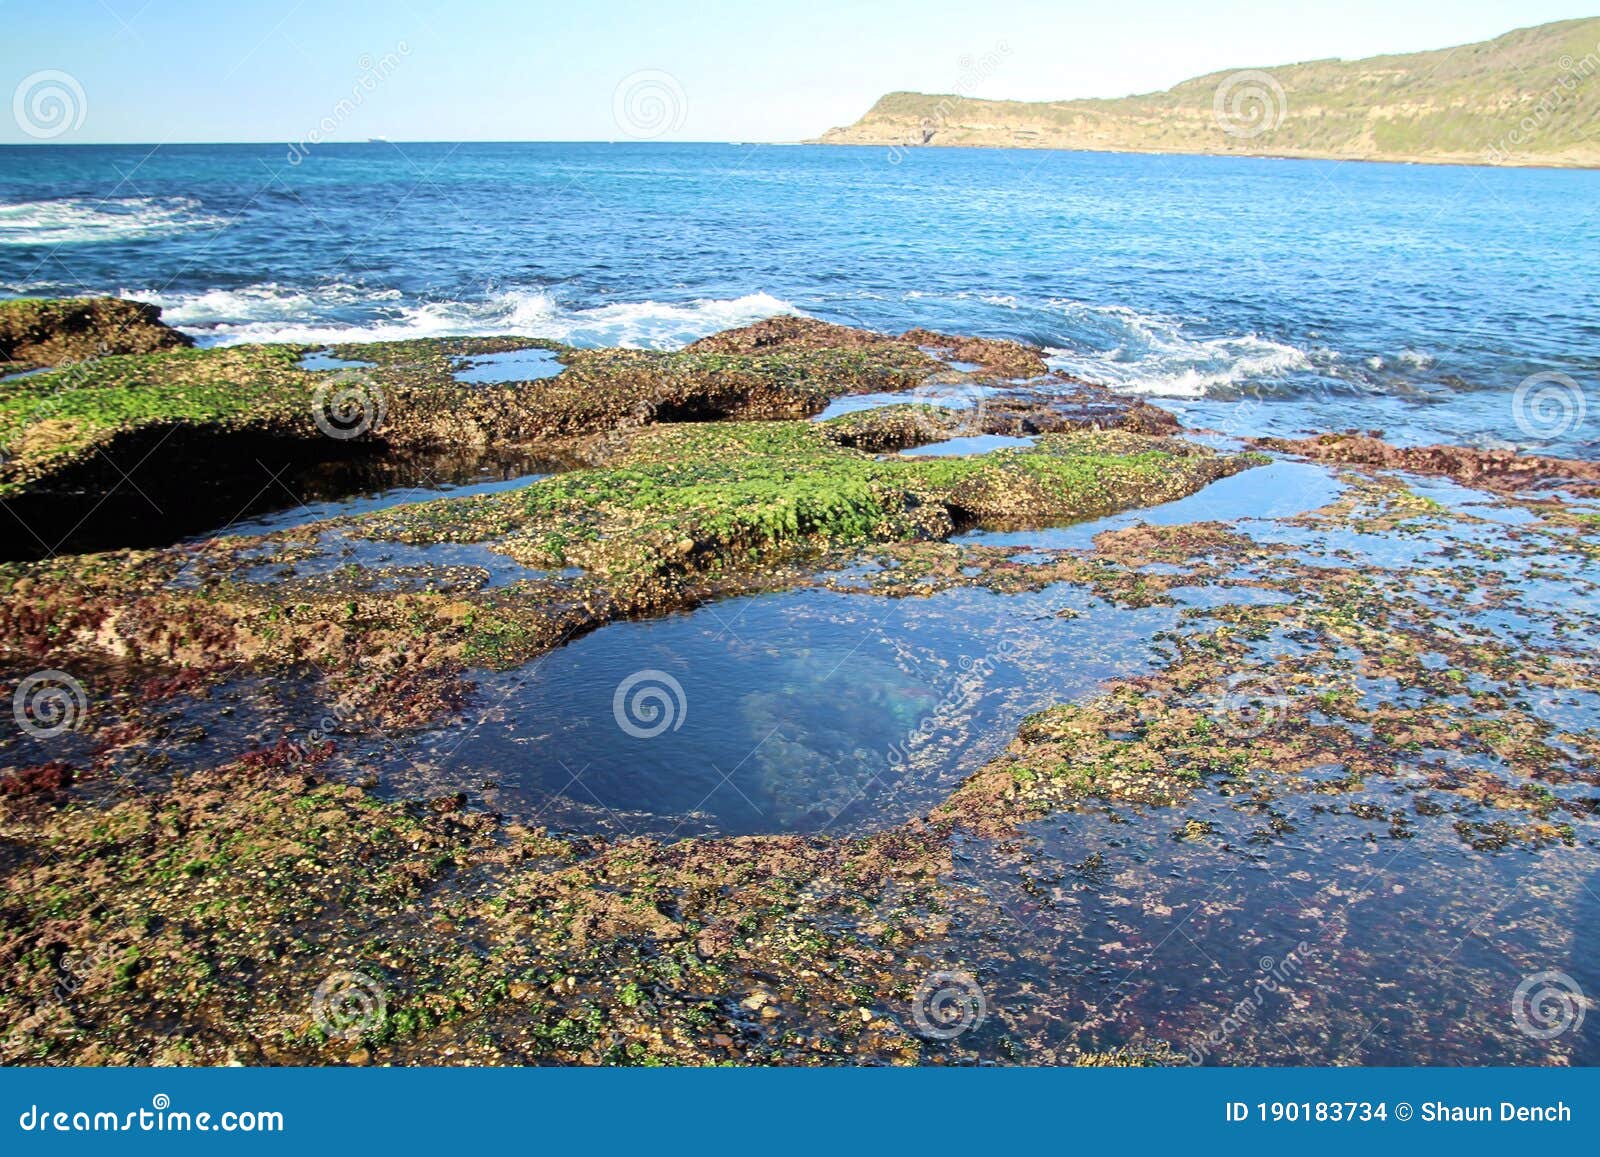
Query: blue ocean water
[(1253, 294)]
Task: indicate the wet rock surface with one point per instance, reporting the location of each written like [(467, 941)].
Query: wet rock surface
[(36, 333), (1109, 749)]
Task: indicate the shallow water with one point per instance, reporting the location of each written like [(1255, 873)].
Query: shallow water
[(799, 711), (1299, 933), (1281, 489), (392, 565), (971, 444), (513, 366), (323, 360), (483, 480)]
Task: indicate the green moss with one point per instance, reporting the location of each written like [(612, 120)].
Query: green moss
[(704, 496), (54, 417)]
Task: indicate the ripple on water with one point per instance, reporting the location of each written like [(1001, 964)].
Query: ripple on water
[(805, 710)]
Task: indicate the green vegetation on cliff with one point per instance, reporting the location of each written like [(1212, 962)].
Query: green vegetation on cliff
[(1528, 97)]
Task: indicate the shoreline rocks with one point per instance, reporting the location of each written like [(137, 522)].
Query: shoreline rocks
[(37, 332)]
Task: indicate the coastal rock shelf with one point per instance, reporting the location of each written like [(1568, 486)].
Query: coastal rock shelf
[(717, 723), (89, 445)]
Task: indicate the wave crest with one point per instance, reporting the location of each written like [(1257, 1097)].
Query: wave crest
[(340, 312), (86, 220), (1150, 354)]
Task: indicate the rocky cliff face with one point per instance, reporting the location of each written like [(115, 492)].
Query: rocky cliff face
[(1530, 97)]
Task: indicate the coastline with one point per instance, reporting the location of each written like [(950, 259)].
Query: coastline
[(1464, 160)]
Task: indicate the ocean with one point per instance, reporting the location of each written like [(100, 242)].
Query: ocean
[(1374, 706), (1248, 295)]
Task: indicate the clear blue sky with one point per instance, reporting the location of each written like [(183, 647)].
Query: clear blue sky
[(229, 70)]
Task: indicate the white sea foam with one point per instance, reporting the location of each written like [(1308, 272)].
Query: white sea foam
[(84, 220), (339, 312), (1150, 354)]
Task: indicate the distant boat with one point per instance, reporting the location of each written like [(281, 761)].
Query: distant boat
[(377, 140)]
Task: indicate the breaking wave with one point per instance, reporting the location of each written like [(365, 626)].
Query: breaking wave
[(85, 220), (340, 312), (1149, 354)]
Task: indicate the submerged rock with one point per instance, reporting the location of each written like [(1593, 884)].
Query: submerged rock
[(1504, 471)]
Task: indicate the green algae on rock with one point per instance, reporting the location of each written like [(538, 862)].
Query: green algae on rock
[(37, 332), (82, 442), (706, 498), (686, 512)]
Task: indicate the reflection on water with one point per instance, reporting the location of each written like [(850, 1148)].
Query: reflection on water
[(799, 711), (1281, 489), (323, 360), (448, 483), (972, 444), (530, 365), (377, 565)]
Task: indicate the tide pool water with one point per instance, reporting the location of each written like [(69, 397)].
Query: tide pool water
[(1251, 294)]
